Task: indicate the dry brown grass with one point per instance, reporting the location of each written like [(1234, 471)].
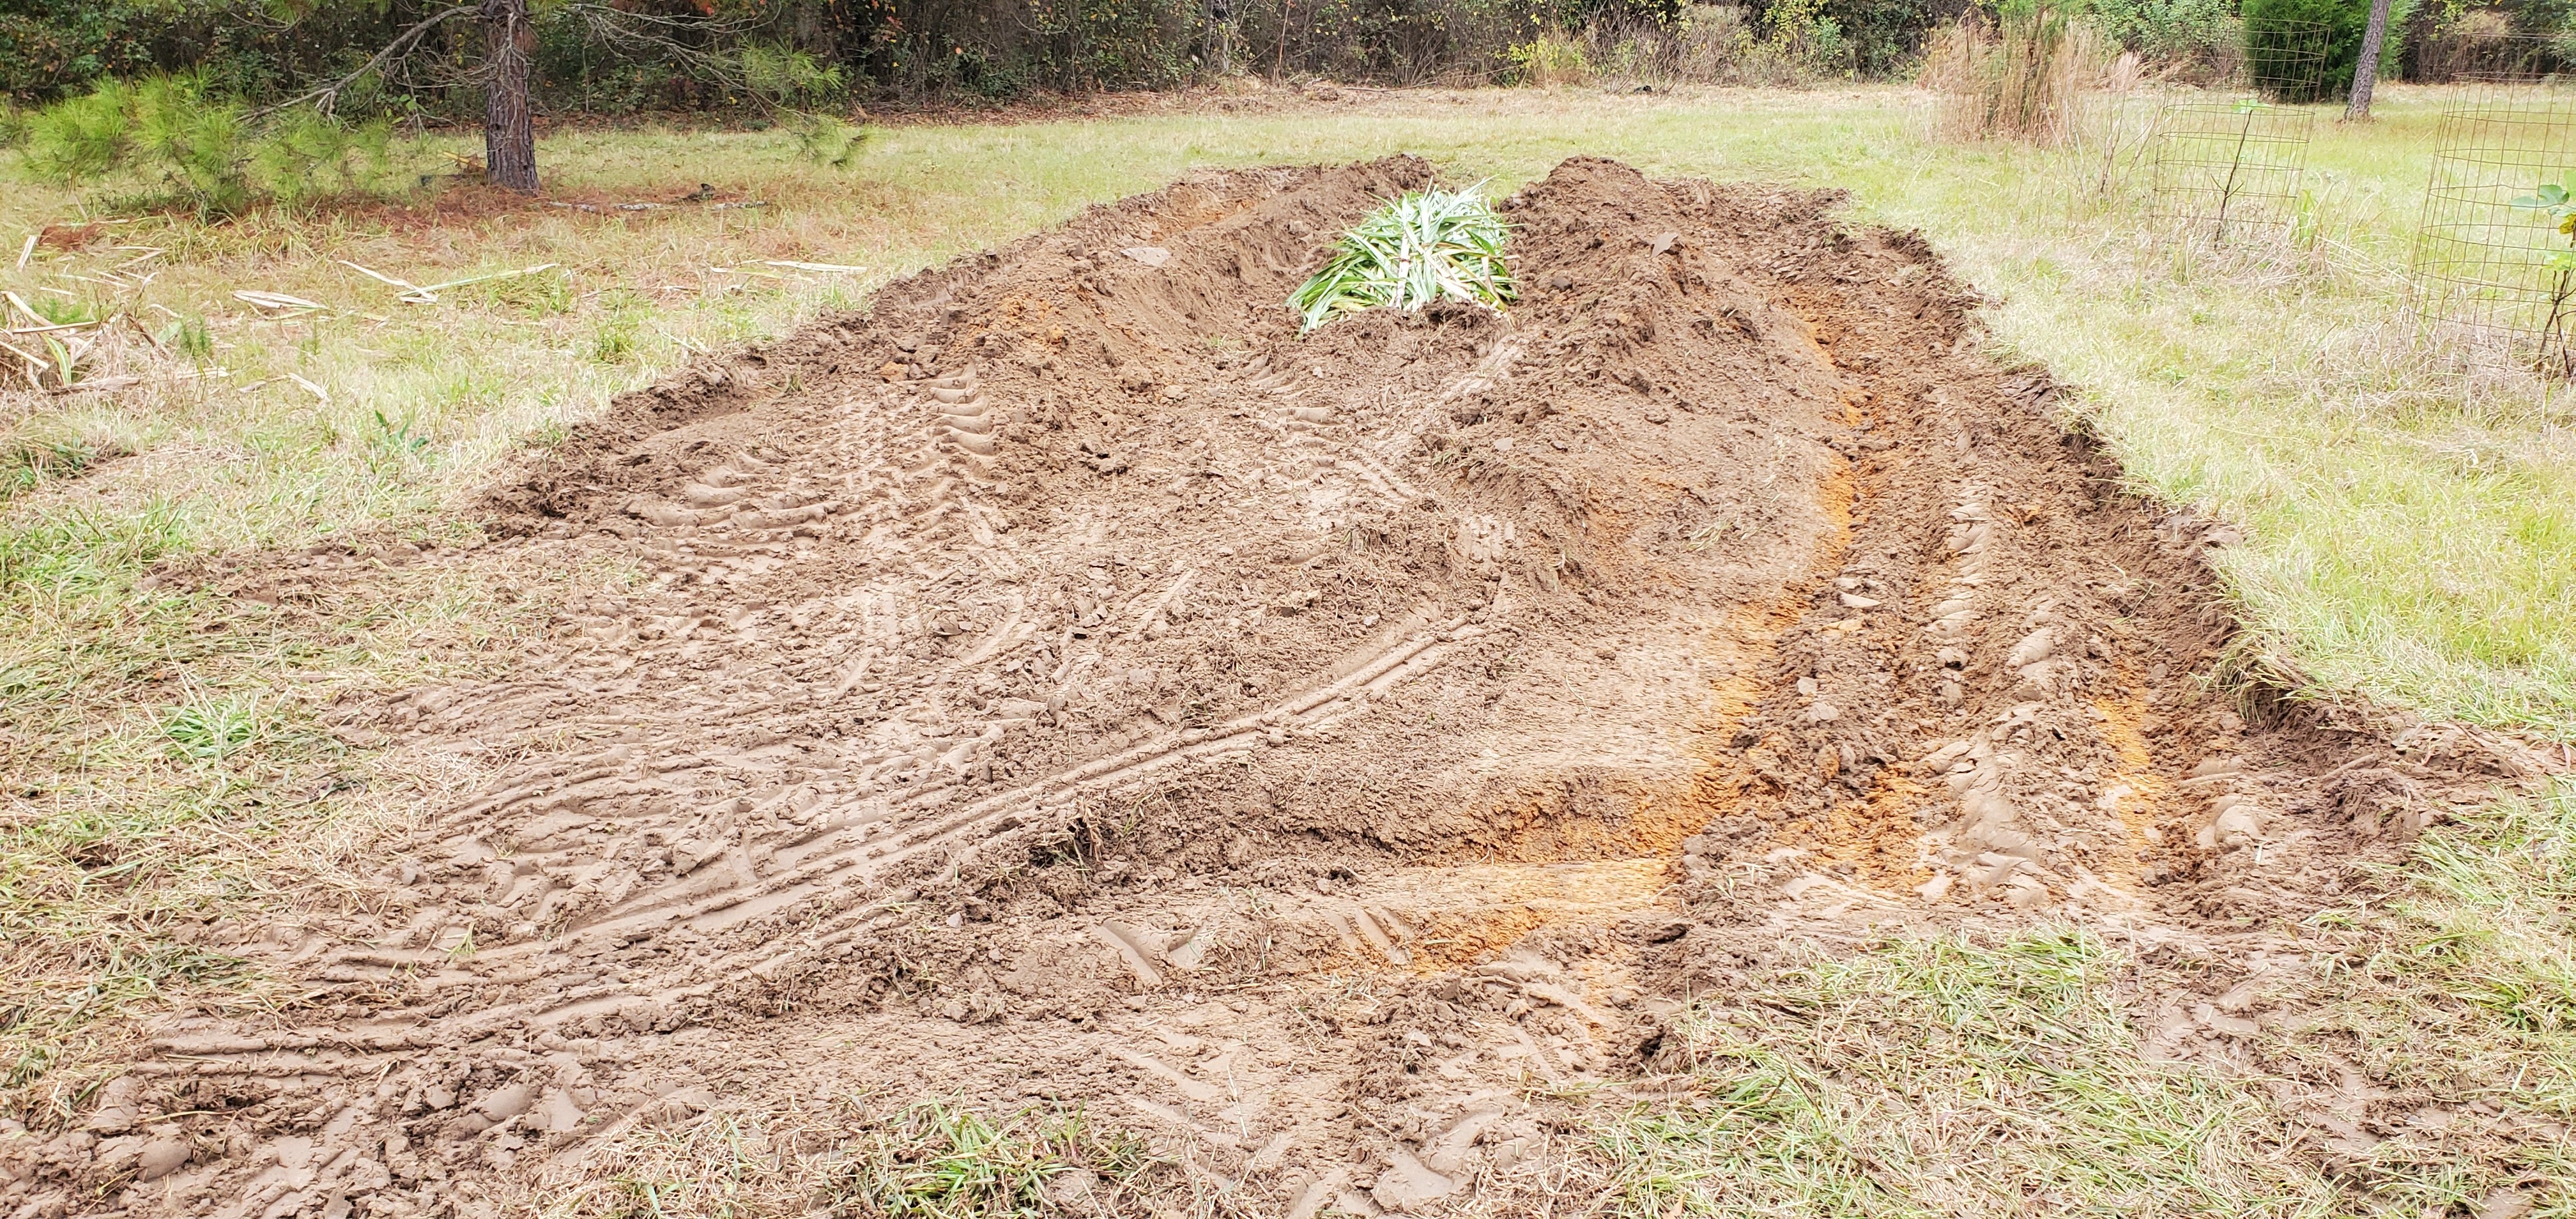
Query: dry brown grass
[(2022, 78)]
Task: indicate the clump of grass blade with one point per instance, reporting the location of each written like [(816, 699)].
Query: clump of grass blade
[(1946, 1075), (1426, 247), (844, 1156), (2452, 987)]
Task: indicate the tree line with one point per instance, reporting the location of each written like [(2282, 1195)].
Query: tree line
[(612, 56), (619, 56), (311, 79)]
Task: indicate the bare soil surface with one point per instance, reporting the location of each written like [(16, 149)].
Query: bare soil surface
[(1325, 756)]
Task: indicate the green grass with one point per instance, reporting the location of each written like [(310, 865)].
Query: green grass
[(2458, 994), (2408, 521)]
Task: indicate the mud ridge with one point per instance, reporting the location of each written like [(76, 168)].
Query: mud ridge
[(1066, 683)]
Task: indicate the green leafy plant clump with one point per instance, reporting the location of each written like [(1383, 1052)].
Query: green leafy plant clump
[(938, 1160), (2556, 202), (172, 136), (827, 141), (1427, 246)]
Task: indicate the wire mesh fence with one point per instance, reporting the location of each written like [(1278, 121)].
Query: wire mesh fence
[(2494, 266), (2481, 45), (2228, 170), (2287, 61)]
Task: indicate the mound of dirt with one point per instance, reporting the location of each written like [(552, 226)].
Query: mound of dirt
[(1066, 683)]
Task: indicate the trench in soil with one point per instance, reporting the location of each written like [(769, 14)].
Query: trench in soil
[(1065, 682)]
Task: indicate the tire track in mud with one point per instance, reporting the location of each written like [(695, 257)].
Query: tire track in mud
[(1067, 684), (1590, 870)]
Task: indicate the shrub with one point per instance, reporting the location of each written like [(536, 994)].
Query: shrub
[(1880, 38), (46, 45), (1703, 43), (2193, 39), (1807, 35), (1711, 42), (2306, 50), (200, 151), (1549, 59)]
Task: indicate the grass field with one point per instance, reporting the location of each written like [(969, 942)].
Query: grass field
[(2410, 536)]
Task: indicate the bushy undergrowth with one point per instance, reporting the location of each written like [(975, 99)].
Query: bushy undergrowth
[(2306, 50), (170, 140), (2194, 40), (1715, 44), (734, 55), (760, 53)]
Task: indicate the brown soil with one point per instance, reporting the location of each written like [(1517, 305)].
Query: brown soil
[(1067, 683)]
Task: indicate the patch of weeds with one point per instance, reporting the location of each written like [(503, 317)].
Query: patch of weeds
[(188, 336), (2454, 993), (29, 460), (620, 328), (1947, 1076), (613, 342), (283, 439), (62, 311), (468, 390), (119, 843), (157, 774), (935, 1159), (940, 1159), (547, 435), (394, 443), (543, 294), (74, 552), (117, 972), (210, 729)]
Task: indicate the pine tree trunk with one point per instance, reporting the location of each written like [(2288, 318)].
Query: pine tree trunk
[(2366, 73), (509, 129)]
